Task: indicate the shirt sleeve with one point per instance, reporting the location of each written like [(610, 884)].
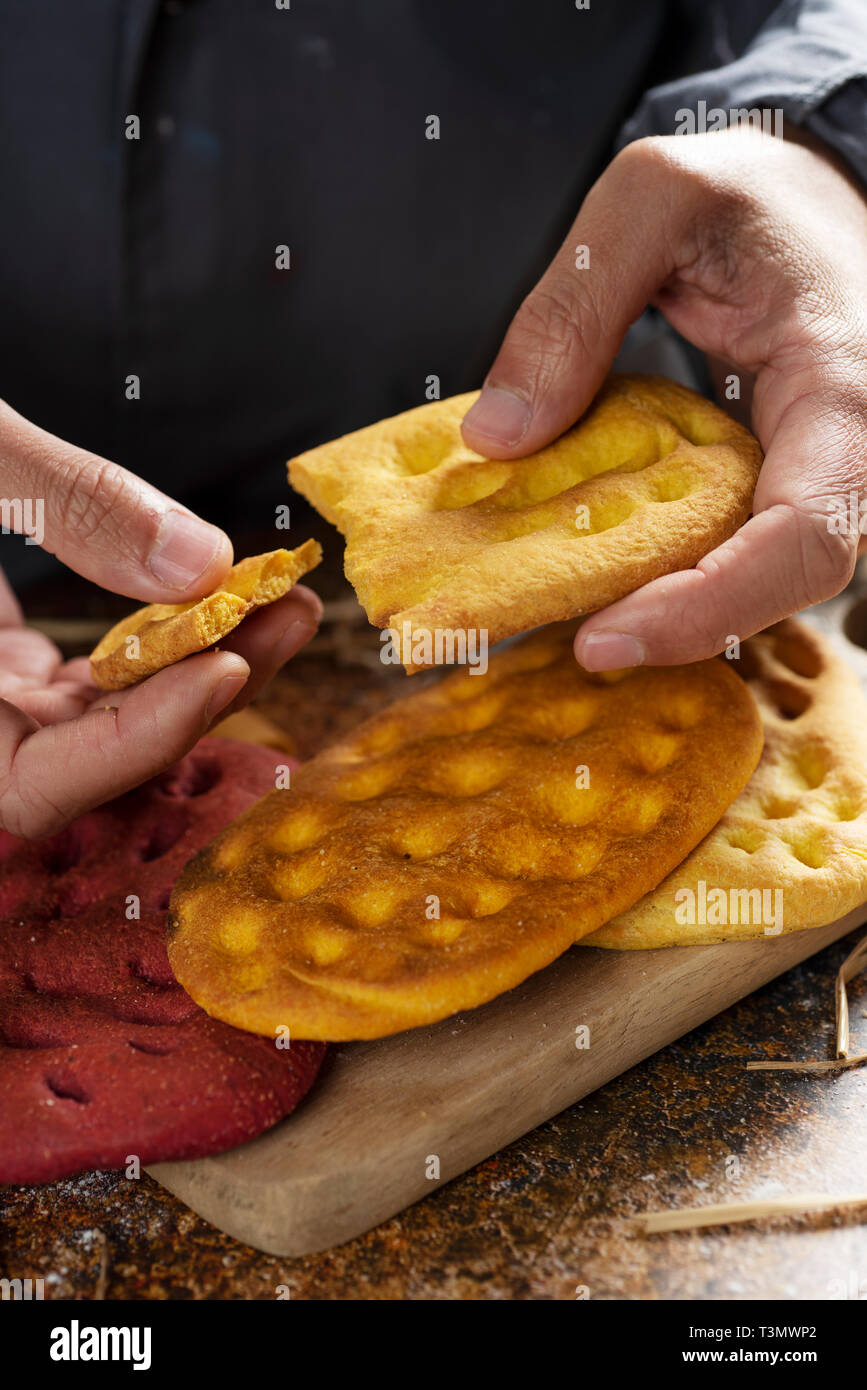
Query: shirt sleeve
[(808, 60)]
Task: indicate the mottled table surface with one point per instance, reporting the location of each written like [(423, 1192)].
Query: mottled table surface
[(555, 1210), (552, 1211)]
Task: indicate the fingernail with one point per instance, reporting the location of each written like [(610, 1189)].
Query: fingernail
[(183, 549), (296, 636), (229, 687), (499, 415), (611, 651)]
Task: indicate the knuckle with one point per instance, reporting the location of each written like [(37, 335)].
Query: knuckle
[(660, 160), (88, 501), (700, 169), (26, 807), (86, 498), (554, 321), (702, 628), (826, 558), (650, 153), (689, 183), (702, 638), (31, 816)]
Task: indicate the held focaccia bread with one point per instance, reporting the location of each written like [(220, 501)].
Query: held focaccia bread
[(439, 539)]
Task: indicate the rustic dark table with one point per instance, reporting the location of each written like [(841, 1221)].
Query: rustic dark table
[(555, 1210)]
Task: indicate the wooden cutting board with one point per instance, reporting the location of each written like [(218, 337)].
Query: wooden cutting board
[(389, 1121), (359, 1149)]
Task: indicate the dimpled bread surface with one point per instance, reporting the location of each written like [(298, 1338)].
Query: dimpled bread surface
[(447, 848), (167, 632), (799, 825), (648, 481)]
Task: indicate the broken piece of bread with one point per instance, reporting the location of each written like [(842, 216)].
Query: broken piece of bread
[(163, 633)]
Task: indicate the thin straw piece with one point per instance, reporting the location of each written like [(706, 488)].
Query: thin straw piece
[(733, 1213), (840, 1064)]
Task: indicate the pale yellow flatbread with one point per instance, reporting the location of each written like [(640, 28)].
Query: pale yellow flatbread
[(798, 828), (440, 539)]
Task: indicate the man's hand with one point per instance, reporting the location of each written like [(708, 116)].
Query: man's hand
[(65, 746), (755, 249)]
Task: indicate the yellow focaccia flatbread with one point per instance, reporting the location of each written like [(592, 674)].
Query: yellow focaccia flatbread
[(799, 827), (167, 632), (452, 845), (440, 539)]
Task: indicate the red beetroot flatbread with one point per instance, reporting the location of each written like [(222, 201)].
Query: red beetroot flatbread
[(102, 1053)]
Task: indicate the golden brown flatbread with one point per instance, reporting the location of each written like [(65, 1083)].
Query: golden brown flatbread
[(458, 841)]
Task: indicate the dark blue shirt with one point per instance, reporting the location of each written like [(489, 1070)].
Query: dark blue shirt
[(308, 128)]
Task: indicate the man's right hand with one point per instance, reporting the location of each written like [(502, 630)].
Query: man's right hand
[(65, 746)]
